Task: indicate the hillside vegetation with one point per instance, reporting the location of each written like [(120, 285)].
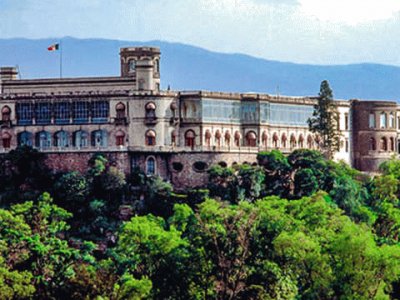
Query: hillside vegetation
[(295, 227)]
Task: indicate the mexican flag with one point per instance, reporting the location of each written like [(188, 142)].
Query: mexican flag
[(54, 47)]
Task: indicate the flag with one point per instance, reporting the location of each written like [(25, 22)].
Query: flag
[(54, 47)]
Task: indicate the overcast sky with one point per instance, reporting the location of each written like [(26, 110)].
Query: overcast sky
[(304, 31)]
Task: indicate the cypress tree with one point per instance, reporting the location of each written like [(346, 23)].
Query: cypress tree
[(324, 121)]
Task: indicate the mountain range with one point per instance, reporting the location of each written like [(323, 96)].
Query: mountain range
[(185, 67)]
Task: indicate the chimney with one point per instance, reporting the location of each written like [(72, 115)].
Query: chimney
[(8, 73)]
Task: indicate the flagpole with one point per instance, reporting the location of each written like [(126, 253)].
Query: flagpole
[(61, 49)]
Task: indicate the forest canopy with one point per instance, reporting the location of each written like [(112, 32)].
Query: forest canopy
[(292, 227)]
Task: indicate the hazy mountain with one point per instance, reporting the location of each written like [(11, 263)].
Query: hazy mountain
[(185, 67)]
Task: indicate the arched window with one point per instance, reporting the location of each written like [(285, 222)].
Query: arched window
[(218, 138), (5, 114), (391, 144), (317, 141), (190, 138), (251, 139), (6, 138), (207, 137), (25, 138), (384, 144), (227, 138), (61, 139), (301, 141), (292, 141), (43, 140), (310, 142), (132, 66), (174, 134), (119, 138), (150, 138), (150, 166), (120, 111), (99, 138), (264, 139), (157, 66), (284, 140), (275, 140), (391, 120), (372, 144), (150, 111), (383, 120), (80, 139), (237, 137)]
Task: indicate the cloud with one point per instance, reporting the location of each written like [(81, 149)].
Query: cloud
[(350, 12)]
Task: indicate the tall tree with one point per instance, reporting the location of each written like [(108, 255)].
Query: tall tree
[(325, 120)]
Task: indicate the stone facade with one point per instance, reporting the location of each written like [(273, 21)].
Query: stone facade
[(175, 134)]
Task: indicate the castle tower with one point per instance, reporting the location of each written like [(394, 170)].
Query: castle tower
[(143, 64)]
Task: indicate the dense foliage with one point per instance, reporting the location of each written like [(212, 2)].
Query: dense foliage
[(292, 227)]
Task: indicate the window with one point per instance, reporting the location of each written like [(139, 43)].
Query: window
[(383, 144), (81, 112), (81, 139), (208, 138), (62, 113), (264, 139), (5, 114), (177, 166), (120, 110), (189, 138), (43, 140), (99, 138), (218, 138), (383, 120), (284, 139), (150, 166), (290, 114), (24, 113), (6, 137), (237, 137), (141, 84), (251, 139), (132, 65), (25, 138), (120, 138), (227, 138), (310, 143), (199, 166), (150, 111), (301, 141), (338, 121), (391, 144), (43, 113), (391, 120), (100, 111), (157, 66), (173, 137), (347, 145), (372, 123), (372, 144), (61, 139), (150, 138), (346, 121), (275, 140), (292, 141)]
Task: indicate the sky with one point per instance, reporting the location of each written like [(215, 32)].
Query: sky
[(301, 31)]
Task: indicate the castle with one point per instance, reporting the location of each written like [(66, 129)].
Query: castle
[(176, 134)]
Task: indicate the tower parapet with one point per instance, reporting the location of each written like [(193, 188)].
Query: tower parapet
[(143, 64)]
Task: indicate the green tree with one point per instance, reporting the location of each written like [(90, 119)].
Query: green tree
[(324, 121)]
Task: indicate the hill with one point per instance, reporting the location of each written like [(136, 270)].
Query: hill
[(185, 67)]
